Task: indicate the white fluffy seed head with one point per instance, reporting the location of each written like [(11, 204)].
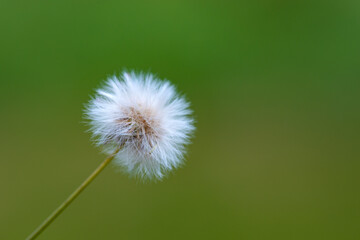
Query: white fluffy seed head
[(146, 118)]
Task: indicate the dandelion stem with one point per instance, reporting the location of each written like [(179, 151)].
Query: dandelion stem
[(72, 197)]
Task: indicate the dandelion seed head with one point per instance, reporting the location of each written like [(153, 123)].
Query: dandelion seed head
[(146, 118)]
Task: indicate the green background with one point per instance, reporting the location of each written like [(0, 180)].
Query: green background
[(275, 89)]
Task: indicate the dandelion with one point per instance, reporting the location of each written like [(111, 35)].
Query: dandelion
[(146, 118), (142, 123)]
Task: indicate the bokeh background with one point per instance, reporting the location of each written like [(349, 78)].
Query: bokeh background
[(275, 86)]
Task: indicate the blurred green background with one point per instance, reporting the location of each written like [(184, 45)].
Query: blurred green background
[(275, 86)]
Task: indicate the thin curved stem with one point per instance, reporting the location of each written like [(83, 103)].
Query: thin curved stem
[(72, 197)]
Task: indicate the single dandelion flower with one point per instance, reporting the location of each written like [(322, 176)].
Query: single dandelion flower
[(142, 123), (146, 118)]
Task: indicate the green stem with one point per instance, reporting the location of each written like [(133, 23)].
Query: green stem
[(72, 197)]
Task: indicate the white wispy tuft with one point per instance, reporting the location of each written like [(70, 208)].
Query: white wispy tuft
[(146, 118)]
